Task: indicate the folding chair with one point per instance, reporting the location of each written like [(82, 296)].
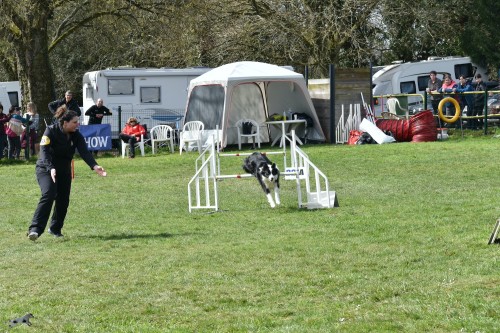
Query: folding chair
[(191, 133), (249, 129), (162, 134)]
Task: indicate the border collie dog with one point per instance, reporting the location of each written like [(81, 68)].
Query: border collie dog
[(267, 174)]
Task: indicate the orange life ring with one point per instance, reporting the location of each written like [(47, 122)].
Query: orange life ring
[(457, 110)]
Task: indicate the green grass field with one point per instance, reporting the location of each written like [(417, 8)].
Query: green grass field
[(406, 251)]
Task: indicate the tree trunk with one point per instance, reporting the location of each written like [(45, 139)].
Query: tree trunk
[(32, 54)]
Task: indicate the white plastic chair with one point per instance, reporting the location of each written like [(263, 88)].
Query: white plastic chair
[(254, 132), (139, 144), (162, 133), (393, 105), (191, 133)]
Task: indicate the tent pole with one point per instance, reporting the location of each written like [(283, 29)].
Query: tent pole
[(332, 104), (306, 74), (372, 105)]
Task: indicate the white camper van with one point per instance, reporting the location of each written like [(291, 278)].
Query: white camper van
[(10, 94), (153, 95), (412, 77)]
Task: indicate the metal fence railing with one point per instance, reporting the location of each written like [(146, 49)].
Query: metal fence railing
[(146, 117), (490, 115)]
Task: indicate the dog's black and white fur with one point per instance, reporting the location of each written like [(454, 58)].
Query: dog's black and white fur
[(23, 320), (267, 174)]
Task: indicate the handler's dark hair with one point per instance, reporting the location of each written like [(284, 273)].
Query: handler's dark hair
[(62, 114)]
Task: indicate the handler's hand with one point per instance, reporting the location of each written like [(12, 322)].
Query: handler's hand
[(53, 174), (100, 171)]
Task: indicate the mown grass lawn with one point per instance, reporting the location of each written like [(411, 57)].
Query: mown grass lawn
[(406, 251)]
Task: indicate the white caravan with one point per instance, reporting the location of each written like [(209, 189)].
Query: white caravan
[(153, 95), (411, 78), (10, 94)]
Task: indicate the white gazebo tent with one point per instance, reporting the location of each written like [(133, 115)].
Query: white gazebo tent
[(254, 90)]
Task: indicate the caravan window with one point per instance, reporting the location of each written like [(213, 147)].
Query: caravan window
[(120, 86), (89, 92), (13, 98), (423, 82), (407, 87), (150, 95), (464, 69)]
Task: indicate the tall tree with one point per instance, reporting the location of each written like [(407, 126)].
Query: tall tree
[(24, 26), (417, 29), (30, 29), (296, 32), (479, 37)]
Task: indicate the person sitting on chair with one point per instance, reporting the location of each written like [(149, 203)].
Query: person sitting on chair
[(131, 134)]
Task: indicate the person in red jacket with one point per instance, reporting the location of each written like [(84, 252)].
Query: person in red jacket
[(131, 134), (449, 86)]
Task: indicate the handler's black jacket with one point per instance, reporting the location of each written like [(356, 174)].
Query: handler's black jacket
[(56, 150), (72, 105)]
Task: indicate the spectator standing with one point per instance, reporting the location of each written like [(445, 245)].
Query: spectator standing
[(31, 128), (448, 87), (433, 86), (131, 134), (464, 86), (478, 102), (96, 112), (14, 130), (4, 119), (53, 171), (68, 101)]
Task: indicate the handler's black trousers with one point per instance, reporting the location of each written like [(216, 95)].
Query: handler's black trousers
[(58, 192), (131, 140)]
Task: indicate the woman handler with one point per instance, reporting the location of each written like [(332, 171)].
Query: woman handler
[(53, 171)]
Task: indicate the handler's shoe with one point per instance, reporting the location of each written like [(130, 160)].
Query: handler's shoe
[(33, 236), (56, 235)]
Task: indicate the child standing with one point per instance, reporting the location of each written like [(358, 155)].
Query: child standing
[(31, 128)]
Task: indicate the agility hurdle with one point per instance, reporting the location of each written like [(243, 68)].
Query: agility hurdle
[(203, 187)]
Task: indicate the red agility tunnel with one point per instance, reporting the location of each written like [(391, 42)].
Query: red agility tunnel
[(423, 127), (400, 128), (419, 128)]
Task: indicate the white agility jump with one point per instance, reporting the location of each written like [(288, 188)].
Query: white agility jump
[(203, 187)]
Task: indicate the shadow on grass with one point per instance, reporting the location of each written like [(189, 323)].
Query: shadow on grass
[(137, 236)]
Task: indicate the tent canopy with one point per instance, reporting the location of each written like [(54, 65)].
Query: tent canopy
[(254, 90)]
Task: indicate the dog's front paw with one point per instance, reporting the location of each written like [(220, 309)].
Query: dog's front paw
[(270, 200)]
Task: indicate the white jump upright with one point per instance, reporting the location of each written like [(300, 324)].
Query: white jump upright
[(203, 191), (345, 126)]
